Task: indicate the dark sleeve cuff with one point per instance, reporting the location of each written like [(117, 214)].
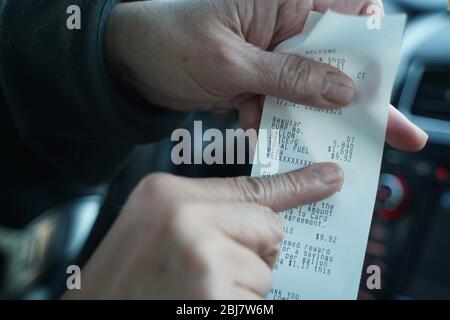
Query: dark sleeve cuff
[(59, 93)]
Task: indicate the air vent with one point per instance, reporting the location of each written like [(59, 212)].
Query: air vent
[(433, 94)]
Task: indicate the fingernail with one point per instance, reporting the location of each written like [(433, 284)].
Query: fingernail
[(423, 134), (338, 88), (329, 173)]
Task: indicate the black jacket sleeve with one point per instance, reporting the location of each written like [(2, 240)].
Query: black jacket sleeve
[(59, 94)]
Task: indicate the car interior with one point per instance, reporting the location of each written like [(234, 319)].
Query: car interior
[(410, 232)]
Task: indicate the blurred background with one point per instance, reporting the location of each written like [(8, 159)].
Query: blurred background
[(61, 223)]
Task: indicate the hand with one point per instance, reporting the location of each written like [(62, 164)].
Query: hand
[(183, 238), (203, 54)]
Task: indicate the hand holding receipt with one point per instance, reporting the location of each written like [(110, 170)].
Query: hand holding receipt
[(323, 249)]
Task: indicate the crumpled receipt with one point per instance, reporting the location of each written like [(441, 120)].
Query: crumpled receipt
[(323, 250)]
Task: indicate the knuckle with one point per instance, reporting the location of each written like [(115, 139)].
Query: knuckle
[(253, 189), (199, 256), (157, 184), (302, 73), (199, 260), (274, 236), (274, 225), (179, 217), (231, 60), (295, 75), (278, 231), (303, 181), (298, 184), (224, 56), (294, 184), (272, 255)]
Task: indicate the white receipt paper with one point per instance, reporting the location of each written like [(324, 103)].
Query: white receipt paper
[(323, 250)]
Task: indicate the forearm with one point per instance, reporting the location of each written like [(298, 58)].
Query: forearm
[(58, 90)]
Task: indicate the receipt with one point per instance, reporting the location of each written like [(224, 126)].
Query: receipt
[(323, 249)]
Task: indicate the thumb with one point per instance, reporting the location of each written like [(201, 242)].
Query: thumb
[(280, 192), (299, 79)]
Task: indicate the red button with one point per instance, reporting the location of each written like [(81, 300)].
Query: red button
[(441, 173)]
